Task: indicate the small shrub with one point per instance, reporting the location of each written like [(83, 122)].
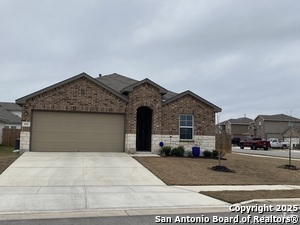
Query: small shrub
[(181, 148), (179, 151), (166, 150), (215, 153), (207, 154)]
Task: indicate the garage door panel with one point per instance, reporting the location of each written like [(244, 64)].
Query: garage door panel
[(77, 137), (78, 146), (60, 131)]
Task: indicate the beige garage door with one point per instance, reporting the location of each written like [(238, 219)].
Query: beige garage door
[(65, 131)]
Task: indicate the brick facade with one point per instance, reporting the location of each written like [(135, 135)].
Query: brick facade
[(204, 116), (81, 95), (144, 95)]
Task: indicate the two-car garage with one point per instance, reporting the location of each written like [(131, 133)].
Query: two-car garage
[(77, 131)]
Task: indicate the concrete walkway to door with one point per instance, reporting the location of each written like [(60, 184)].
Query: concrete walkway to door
[(76, 181)]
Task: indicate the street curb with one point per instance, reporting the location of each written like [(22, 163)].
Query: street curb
[(137, 211), (279, 201), (263, 155), (108, 213)]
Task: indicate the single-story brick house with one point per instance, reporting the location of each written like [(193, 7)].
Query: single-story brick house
[(114, 113)]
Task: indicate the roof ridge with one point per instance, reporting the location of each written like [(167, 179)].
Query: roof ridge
[(120, 75), (278, 117)]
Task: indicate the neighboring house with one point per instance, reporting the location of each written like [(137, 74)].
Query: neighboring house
[(292, 134), (10, 116), (237, 128), (272, 126), (114, 113)]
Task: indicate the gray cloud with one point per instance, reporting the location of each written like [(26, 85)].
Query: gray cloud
[(241, 55)]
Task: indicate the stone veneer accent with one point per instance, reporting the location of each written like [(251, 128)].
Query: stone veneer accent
[(205, 142), (24, 140), (130, 143)]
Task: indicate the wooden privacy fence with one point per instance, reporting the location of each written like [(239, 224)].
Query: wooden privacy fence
[(223, 143), (9, 136)]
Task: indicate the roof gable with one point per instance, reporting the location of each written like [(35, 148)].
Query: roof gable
[(131, 87), (291, 131), (119, 82), (22, 100), (216, 108)]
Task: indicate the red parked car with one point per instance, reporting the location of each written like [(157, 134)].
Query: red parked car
[(255, 143)]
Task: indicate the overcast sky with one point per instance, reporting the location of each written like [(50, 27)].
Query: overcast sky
[(243, 56)]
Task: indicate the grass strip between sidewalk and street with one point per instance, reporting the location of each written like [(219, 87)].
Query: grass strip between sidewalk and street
[(241, 196)]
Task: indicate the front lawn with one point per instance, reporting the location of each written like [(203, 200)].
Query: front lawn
[(7, 157), (249, 170)]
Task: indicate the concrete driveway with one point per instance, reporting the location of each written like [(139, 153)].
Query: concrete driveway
[(55, 181)]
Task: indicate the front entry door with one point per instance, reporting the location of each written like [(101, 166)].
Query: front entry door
[(143, 129)]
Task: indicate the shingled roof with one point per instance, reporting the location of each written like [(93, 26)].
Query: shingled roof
[(116, 81), (120, 86), (124, 85), (8, 117), (278, 117), (242, 120), (238, 121), (10, 106)]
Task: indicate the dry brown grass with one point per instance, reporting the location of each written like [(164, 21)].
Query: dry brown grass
[(240, 196), (250, 170), (7, 157)]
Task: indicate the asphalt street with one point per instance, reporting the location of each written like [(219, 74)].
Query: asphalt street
[(270, 152), (205, 218)]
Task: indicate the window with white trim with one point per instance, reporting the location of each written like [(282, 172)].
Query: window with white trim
[(186, 126)]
